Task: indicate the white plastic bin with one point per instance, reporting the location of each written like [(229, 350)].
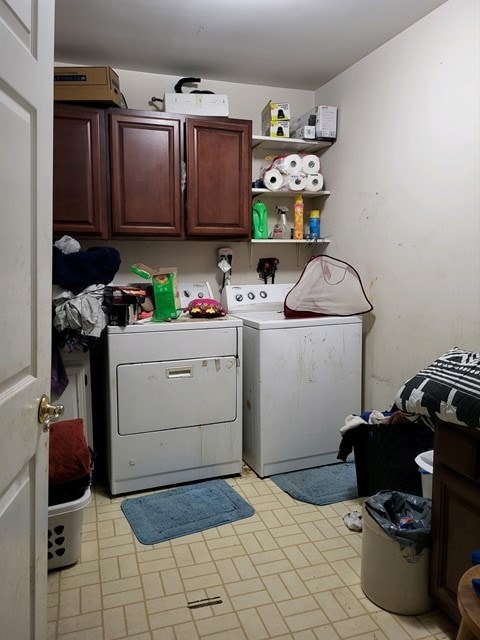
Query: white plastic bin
[(425, 466), (65, 523)]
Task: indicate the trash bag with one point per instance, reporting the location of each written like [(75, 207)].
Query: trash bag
[(403, 516)]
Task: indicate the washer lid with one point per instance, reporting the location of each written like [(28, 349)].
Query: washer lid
[(277, 320)]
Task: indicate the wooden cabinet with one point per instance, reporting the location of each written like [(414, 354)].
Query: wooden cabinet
[(118, 173), (145, 174), (80, 198), (219, 168), (455, 511)]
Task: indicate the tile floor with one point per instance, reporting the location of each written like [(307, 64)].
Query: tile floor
[(290, 572)]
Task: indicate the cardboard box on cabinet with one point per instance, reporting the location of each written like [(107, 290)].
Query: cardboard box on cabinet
[(87, 84)]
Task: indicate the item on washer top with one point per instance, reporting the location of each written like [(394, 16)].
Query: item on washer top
[(327, 287), (205, 308)]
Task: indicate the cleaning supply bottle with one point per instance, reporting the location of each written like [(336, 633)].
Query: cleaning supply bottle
[(314, 224), (259, 220), (298, 218), (281, 230)]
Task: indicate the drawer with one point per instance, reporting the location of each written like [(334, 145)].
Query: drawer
[(458, 449)]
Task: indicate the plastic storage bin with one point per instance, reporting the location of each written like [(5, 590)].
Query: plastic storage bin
[(394, 574), (65, 531), (425, 466)]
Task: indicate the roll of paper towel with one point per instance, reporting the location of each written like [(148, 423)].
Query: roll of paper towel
[(310, 164), (314, 182), (273, 179), (290, 164), (295, 183)]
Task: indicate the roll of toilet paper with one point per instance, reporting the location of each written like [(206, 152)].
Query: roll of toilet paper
[(314, 182), (296, 183), (310, 164), (290, 164), (273, 179)]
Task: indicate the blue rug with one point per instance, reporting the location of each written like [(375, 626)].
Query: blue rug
[(184, 510), (320, 485)]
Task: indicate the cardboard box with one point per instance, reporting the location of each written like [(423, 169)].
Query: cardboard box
[(87, 84), (196, 104), (305, 133), (277, 129), (276, 111), (165, 290), (323, 118)]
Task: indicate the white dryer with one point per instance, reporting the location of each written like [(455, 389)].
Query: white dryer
[(174, 401), (301, 378)]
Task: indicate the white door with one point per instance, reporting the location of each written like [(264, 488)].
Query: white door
[(26, 103)]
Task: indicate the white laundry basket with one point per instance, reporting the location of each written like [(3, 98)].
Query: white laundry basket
[(65, 523), (425, 466)]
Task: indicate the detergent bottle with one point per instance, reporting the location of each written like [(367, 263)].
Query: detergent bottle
[(259, 220), (298, 218)]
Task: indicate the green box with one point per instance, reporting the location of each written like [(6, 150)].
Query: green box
[(165, 290)]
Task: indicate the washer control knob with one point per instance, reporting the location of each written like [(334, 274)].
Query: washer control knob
[(239, 297), (200, 294), (251, 295), (263, 294)]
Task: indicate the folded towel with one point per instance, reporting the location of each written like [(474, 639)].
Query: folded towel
[(69, 455)]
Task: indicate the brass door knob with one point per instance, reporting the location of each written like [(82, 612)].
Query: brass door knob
[(48, 413)]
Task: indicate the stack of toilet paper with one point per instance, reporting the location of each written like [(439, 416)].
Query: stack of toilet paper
[(293, 172)]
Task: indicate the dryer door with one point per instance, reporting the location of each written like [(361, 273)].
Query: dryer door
[(155, 396)]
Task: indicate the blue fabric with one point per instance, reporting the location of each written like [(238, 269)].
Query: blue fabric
[(184, 510), (320, 485)]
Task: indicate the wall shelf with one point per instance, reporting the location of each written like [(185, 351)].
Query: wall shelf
[(281, 193), (290, 241), (321, 242), (289, 145)]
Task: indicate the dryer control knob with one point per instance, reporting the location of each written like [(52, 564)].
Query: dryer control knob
[(239, 297), (263, 294), (251, 295)]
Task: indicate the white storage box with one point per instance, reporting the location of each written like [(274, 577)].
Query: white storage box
[(196, 104), (425, 466), (65, 531), (323, 118)]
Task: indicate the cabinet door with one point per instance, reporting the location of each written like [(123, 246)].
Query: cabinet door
[(456, 533), (219, 167), (80, 204), (145, 173)]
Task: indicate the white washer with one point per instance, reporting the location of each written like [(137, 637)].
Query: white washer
[(174, 400), (301, 378)]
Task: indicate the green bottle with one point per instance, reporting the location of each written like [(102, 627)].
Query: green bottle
[(259, 220)]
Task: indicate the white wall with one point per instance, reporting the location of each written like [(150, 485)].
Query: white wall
[(405, 207)]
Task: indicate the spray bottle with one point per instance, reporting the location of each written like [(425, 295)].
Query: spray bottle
[(314, 224), (298, 218), (281, 230)]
